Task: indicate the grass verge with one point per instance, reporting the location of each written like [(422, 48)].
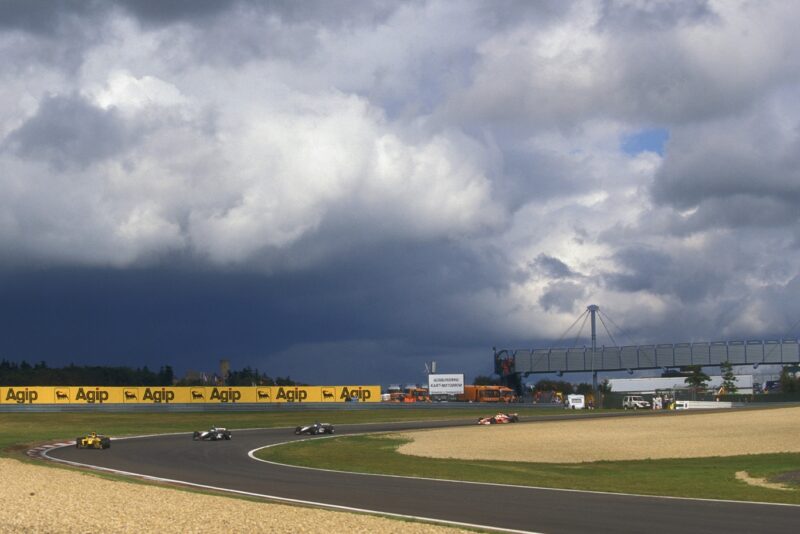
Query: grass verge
[(21, 430), (710, 478)]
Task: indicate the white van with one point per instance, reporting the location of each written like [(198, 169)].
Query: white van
[(576, 402), (634, 402)]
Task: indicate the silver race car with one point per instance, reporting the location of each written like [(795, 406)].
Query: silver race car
[(212, 434), (316, 428)]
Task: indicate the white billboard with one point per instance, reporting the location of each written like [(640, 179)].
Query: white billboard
[(446, 384)]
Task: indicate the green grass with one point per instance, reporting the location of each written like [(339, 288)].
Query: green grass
[(711, 478)]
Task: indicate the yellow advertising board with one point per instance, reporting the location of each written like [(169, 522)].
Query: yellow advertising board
[(186, 395), (61, 395), (357, 393), (26, 395)]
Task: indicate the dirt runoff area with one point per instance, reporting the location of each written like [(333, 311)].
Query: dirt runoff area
[(46, 499), (664, 435)]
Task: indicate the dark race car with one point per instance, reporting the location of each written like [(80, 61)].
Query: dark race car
[(316, 428), (500, 418), (212, 434)]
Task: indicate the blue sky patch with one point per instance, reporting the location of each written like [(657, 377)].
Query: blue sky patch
[(652, 140)]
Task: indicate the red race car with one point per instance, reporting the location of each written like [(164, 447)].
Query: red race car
[(499, 419)]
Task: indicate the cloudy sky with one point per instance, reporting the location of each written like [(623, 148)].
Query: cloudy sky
[(340, 191)]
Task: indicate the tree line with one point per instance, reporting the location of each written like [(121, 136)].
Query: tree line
[(789, 381), (696, 381), (561, 386), (40, 374), (244, 377)]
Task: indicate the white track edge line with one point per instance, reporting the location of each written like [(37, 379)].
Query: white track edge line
[(419, 518), (284, 499), (251, 454)]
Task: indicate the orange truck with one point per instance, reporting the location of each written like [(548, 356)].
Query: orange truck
[(410, 394), (487, 394)]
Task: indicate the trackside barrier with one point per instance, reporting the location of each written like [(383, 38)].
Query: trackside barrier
[(78, 395), (701, 405), (238, 407)]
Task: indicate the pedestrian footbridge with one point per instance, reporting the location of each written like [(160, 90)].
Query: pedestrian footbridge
[(636, 357)]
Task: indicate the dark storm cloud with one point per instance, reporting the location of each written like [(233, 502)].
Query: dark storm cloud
[(56, 34), (553, 267), (563, 297), (44, 16), (39, 16), (399, 290), (653, 14), (744, 178), (739, 212), (69, 131), (328, 12), (169, 11), (499, 14), (538, 174), (646, 269), (335, 12), (384, 312), (750, 159), (226, 32), (644, 266), (237, 31)]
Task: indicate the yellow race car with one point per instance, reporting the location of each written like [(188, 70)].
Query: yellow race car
[(93, 441)]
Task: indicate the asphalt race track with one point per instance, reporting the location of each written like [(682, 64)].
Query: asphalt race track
[(226, 465)]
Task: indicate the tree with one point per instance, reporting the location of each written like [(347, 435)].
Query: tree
[(484, 380), (193, 380), (604, 386), (553, 385), (697, 379), (286, 381), (728, 378), (166, 376), (789, 384), (248, 377)]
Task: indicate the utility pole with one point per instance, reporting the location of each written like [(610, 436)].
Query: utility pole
[(593, 309)]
